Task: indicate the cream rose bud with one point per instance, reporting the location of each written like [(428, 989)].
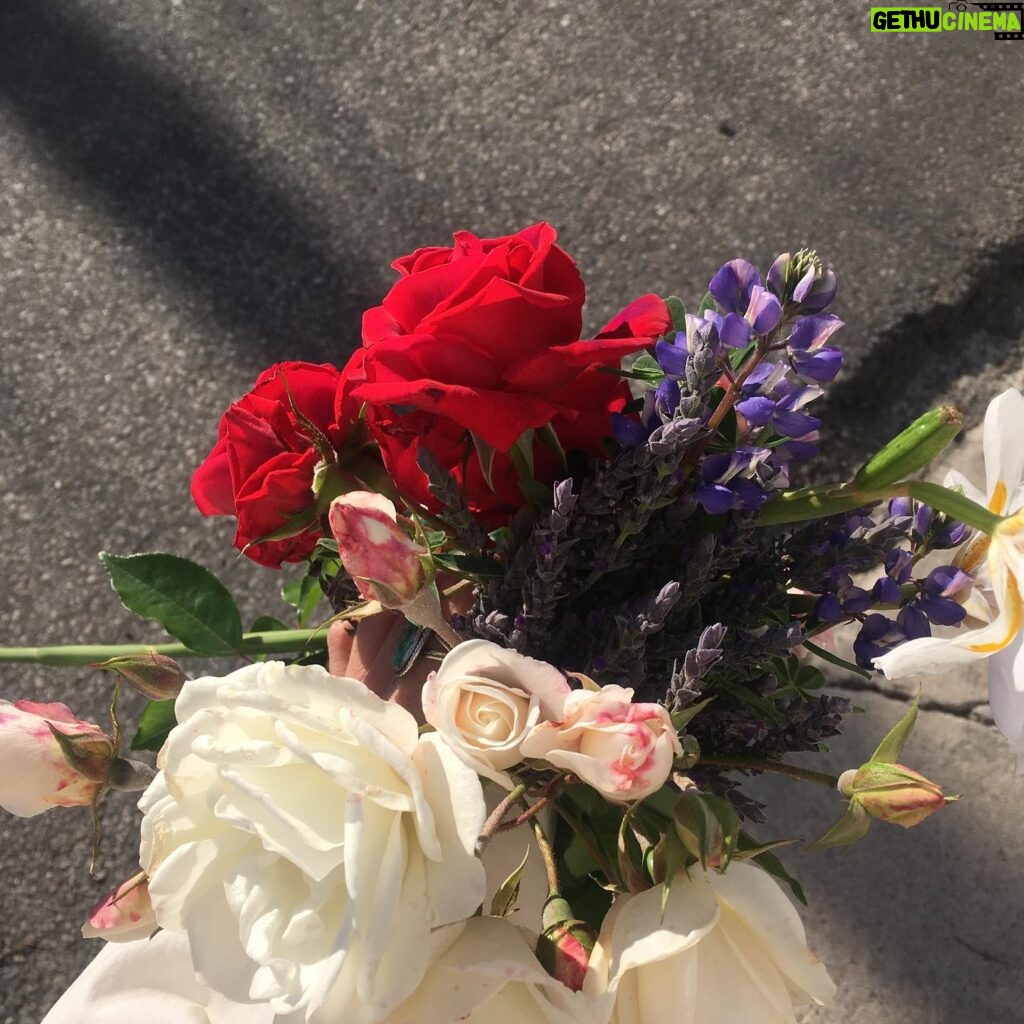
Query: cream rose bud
[(624, 750), (34, 774), (307, 840), (124, 914), (484, 700), (386, 564), (489, 975), (724, 949)]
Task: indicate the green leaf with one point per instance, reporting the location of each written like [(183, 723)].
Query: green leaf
[(834, 659), (777, 869), (472, 565), (681, 719), (708, 302), (485, 453), (677, 311), (646, 367), (268, 624), (505, 898), (156, 722), (186, 599), (303, 594), (889, 750)]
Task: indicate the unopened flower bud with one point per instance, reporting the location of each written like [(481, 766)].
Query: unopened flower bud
[(565, 944), (154, 675), (129, 776), (385, 563), (892, 792), (48, 758), (124, 914)]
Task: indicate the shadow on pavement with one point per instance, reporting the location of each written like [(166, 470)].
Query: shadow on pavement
[(157, 160)]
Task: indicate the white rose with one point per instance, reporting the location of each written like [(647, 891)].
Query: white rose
[(491, 976), (307, 840), (728, 948), (484, 699), (148, 982), (624, 750)]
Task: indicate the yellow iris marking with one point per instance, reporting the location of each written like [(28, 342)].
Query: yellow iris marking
[(974, 554), (1016, 614), (998, 500)]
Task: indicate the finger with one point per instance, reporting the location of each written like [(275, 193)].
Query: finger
[(340, 638)]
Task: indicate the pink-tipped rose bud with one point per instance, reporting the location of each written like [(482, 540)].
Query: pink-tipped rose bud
[(891, 792), (386, 564), (624, 750), (35, 772), (124, 914), (565, 944)]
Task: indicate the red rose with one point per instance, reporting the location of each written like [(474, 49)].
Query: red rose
[(482, 340), (261, 468)]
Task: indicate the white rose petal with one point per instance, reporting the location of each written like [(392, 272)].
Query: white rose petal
[(151, 982), (728, 948), (307, 840), (490, 975)]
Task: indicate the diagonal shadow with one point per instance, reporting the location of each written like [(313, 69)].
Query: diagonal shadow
[(154, 158)]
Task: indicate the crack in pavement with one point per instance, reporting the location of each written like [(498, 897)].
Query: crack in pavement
[(950, 349), (960, 709)]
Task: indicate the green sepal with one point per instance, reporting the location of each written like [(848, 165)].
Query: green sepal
[(889, 750), (504, 901), (708, 828), (910, 450), (89, 755), (853, 825)]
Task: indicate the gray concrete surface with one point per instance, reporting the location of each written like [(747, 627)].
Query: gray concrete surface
[(193, 190)]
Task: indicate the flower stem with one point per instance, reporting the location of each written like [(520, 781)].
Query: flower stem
[(494, 822), (779, 767), (547, 855), (281, 641)]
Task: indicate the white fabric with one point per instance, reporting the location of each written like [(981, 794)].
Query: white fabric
[(150, 981)]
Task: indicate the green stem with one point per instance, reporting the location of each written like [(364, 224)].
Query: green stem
[(779, 767), (547, 854), (281, 641)]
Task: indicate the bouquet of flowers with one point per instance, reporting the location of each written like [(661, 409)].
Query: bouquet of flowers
[(556, 603)]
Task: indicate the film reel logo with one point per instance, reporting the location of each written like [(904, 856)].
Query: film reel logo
[(962, 6)]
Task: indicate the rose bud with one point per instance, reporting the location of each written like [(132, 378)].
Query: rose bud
[(624, 750), (565, 944), (154, 675), (386, 565), (485, 699), (36, 743), (124, 914), (891, 792)]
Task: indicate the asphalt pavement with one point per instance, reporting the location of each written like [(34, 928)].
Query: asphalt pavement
[(191, 190)]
